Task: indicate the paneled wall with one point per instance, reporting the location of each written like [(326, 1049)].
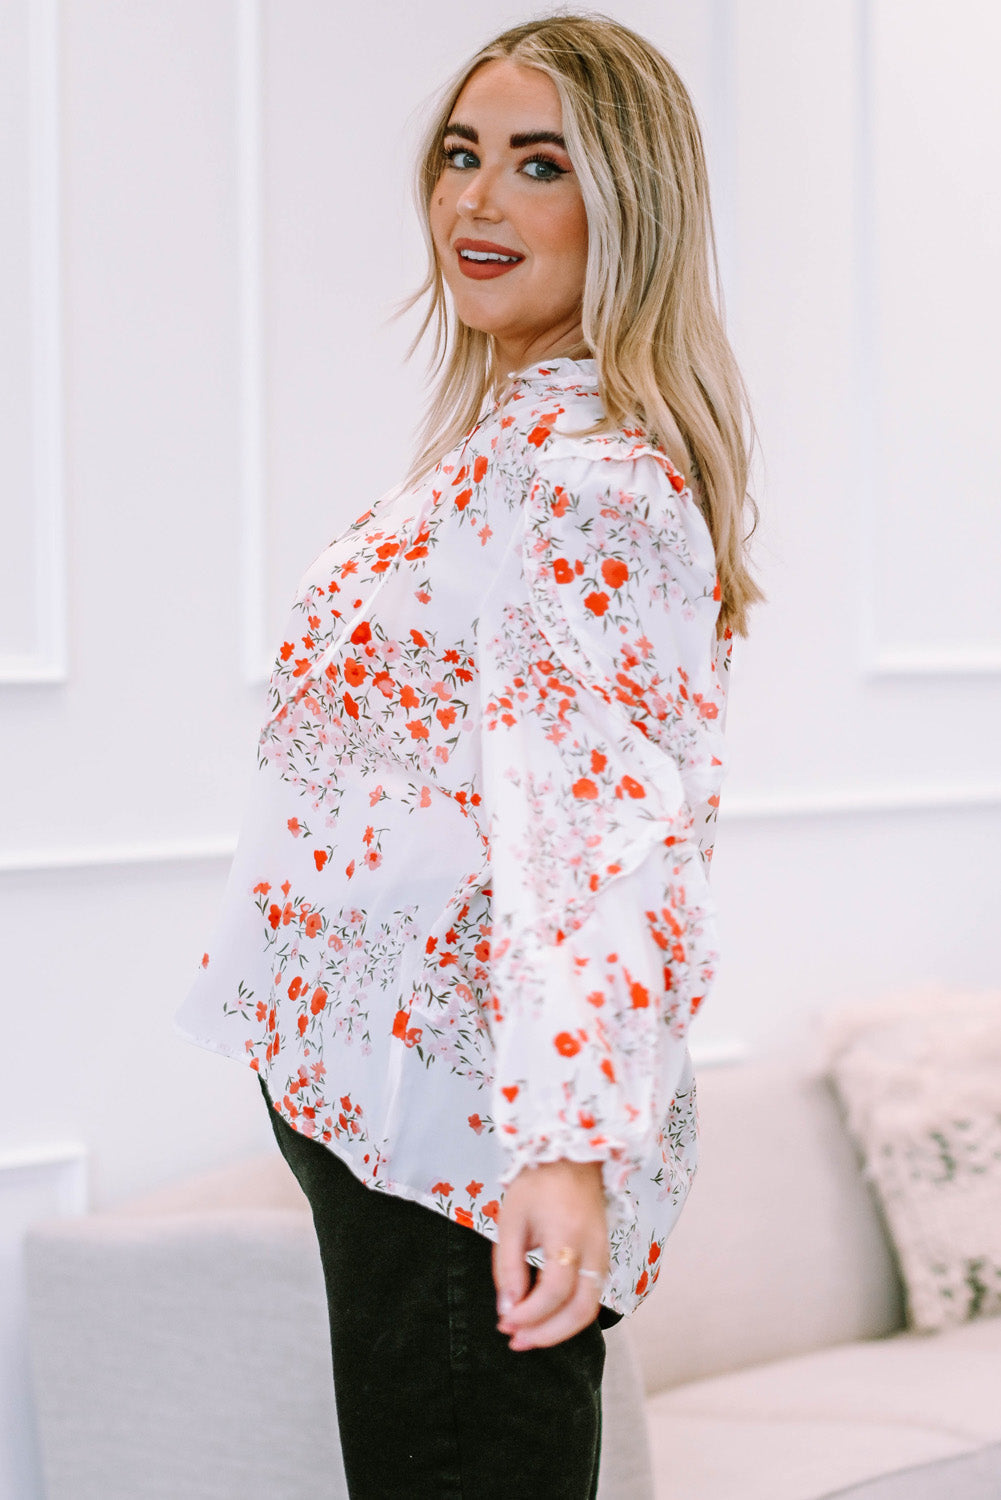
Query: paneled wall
[(204, 230)]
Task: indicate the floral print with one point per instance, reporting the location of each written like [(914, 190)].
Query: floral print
[(469, 922)]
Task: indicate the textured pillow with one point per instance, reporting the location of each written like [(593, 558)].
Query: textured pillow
[(919, 1079)]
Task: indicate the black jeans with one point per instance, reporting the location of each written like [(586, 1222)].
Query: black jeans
[(432, 1404)]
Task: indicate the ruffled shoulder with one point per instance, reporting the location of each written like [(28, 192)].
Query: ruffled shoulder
[(622, 574)]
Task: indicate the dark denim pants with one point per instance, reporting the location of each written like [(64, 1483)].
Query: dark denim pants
[(432, 1404)]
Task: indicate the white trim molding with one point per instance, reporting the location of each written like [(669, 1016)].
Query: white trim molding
[(767, 807), (116, 856), (47, 662), (878, 658), (933, 662), (252, 374)]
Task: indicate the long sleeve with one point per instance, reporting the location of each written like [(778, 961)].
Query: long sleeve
[(602, 759)]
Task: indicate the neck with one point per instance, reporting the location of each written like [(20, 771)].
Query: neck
[(507, 358)]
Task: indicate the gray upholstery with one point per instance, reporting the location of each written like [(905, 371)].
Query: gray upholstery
[(180, 1352), (974, 1476)]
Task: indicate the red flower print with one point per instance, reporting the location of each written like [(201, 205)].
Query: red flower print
[(708, 710), (361, 633), (294, 827), (641, 1284), (351, 705), (510, 1092), (301, 665), (633, 787), (598, 761), (560, 501), (596, 998), (373, 859), (463, 1216), (274, 915), (319, 858), (319, 1000), (614, 572), (654, 1253), (473, 1188), (538, 435), (679, 484), (295, 988), (286, 650), (639, 995), (585, 789), (408, 698), (597, 603), (463, 499), (354, 672), (562, 571), (417, 638), (566, 1044), (302, 1023), (349, 869), (313, 924), (205, 960), (400, 1025), (262, 888), (443, 1187), (491, 1210), (607, 1069), (479, 467), (475, 1123), (417, 729)]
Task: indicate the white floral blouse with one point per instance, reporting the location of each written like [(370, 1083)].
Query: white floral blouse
[(468, 921)]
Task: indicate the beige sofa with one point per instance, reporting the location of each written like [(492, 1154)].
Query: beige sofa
[(179, 1344)]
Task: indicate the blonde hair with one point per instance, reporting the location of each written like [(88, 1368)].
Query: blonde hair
[(652, 301)]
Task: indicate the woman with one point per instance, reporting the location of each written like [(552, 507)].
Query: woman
[(469, 921)]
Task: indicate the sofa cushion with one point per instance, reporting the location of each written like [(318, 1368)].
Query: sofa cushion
[(920, 1079), (183, 1351), (796, 1429)]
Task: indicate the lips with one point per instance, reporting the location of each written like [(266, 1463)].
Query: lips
[(482, 260)]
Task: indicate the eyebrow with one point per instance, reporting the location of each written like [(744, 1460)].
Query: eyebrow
[(525, 138)]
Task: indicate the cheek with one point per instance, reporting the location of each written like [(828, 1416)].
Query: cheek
[(566, 241)]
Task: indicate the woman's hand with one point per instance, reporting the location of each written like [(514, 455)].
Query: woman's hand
[(554, 1204)]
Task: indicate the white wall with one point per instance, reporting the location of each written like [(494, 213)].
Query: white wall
[(206, 227)]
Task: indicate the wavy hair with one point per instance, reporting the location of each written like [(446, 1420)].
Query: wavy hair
[(652, 307)]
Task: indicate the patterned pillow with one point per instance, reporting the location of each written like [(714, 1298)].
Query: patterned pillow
[(919, 1079)]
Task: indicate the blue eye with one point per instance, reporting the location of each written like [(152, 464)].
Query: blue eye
[(548, 171), (453, 153)]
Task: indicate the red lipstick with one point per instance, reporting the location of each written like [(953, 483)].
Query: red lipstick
[(481, 261)]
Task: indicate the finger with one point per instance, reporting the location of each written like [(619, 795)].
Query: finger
[(554, 1286), (571, 1318), (510, 1269)]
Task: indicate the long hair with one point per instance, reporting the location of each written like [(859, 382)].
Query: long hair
[(652, 307)]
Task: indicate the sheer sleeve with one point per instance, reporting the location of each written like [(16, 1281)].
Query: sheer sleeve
[(602, 759)]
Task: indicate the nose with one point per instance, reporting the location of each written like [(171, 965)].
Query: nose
[(476, 201)]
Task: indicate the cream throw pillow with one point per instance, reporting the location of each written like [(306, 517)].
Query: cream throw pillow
[(919, 1079)]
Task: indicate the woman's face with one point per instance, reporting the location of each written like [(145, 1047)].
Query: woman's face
[(507, 215)]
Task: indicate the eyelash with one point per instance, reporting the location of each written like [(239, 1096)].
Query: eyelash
[(451, 152)]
